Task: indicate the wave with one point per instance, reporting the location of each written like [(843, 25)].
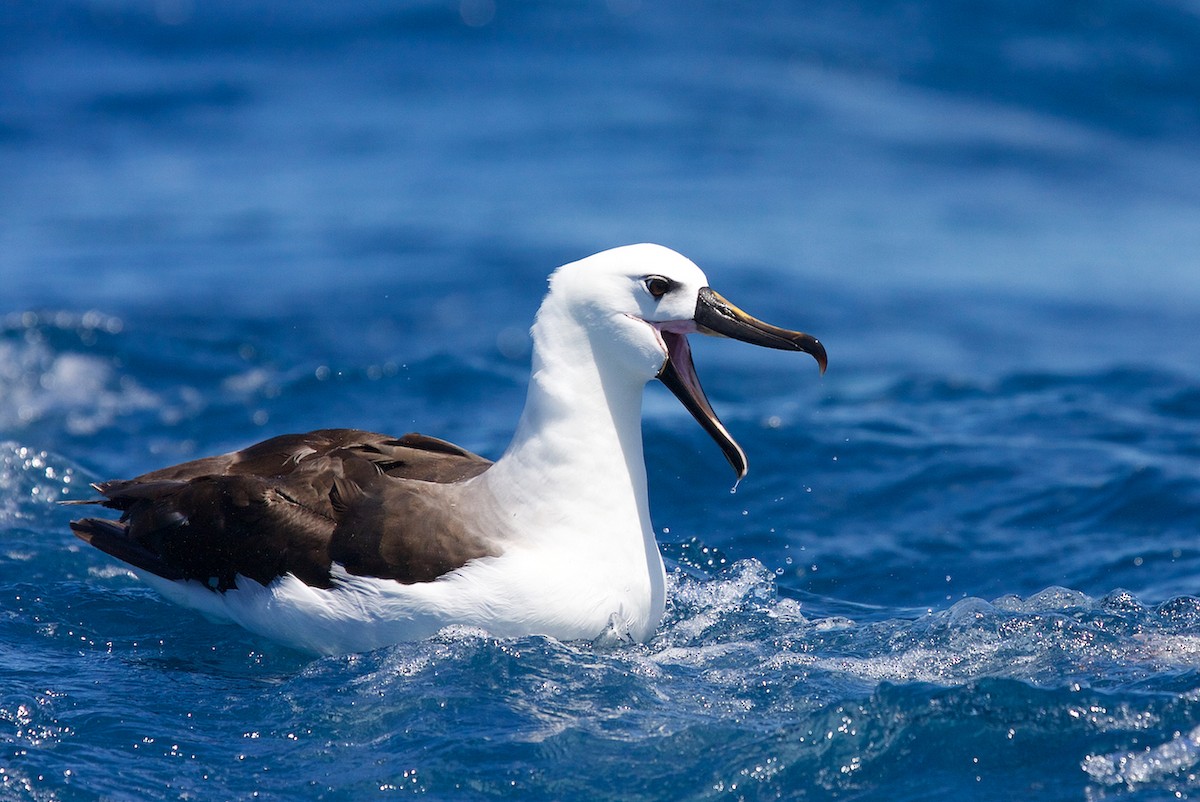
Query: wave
[(766, 691), (806, 701)]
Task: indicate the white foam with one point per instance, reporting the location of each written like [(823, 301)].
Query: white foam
[(110, 572), (1150, 766), (38, 383)]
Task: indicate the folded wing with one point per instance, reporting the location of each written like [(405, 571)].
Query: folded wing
[(297, 504)]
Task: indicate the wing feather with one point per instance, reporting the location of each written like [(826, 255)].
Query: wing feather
[(296, 504)]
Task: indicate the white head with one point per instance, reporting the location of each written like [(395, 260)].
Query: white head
[(623, 296), (636, 304)]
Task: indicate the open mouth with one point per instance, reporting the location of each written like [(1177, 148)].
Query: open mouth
[(717, 316)]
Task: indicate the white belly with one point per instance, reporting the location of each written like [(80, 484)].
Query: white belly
[(568, 597)]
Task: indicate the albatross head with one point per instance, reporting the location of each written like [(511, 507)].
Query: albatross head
[(643, 301)]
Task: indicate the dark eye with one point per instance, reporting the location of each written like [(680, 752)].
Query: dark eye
[(658, 286)]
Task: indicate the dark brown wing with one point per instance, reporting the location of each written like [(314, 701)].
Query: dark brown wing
[(296, 504), (413, 456)]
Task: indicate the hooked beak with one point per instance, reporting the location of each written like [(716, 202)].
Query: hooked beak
[(717, 316)]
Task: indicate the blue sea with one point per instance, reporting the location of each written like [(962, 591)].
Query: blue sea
[(965, 564)]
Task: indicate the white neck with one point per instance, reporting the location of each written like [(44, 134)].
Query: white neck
[(578, 445), (573, 480)]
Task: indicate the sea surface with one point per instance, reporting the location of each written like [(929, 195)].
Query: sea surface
[(965, 564)]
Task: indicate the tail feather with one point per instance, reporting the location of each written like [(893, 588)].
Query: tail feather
[(112, 538)]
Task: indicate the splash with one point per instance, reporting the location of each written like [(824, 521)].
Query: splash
[(1151, 767), (48, 375), (32, 481)]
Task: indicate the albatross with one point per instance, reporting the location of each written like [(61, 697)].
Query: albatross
[(342, 540)]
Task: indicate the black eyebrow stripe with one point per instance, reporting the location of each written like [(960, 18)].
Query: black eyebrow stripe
[(672, 284)]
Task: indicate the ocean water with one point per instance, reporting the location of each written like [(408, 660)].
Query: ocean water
[(965, 562)]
